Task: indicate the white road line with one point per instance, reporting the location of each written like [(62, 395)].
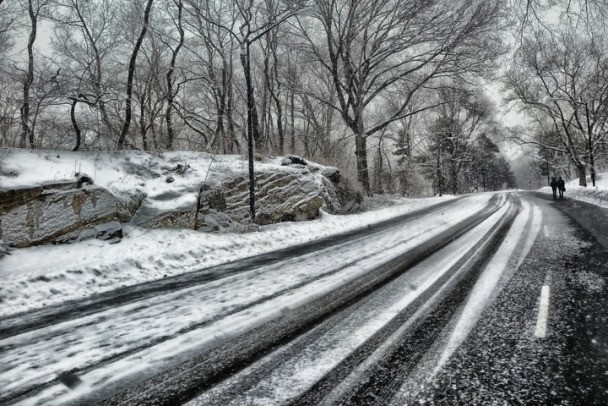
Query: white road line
[(546, 230), (543, 312)]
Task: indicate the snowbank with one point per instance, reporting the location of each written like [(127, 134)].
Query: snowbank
[(597, 195)]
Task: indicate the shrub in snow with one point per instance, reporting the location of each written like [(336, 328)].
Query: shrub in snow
[(181, 168)]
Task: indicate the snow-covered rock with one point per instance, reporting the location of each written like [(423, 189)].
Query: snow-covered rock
[(42, 214), (284, 196), (57, 197), (173, 208), (333, 174), (293, 160), (281, 194)]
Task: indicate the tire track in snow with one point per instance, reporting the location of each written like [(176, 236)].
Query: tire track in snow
[(496, 274), (35, 319), (36, 387), (333, 339), (210, 368)]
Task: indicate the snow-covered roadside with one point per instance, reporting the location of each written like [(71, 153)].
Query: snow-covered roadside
[(597, 195), (186, 322), (39, 276)]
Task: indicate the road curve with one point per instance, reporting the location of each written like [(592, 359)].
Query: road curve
[(350, 285)]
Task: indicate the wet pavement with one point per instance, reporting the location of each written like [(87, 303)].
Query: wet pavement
[(503, 362)]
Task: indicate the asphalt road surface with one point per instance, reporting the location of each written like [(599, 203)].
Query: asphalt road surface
[(504, 305), (502, 361)]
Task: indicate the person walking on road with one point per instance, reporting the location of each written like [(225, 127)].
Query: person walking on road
[(561, 185), (554, 187)]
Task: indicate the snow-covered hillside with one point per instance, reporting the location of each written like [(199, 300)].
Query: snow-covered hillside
[(120, 172)]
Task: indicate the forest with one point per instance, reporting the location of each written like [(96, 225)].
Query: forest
[(405, 97)]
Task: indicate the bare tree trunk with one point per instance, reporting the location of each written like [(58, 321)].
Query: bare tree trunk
[(439, 172), (582, 174), (234, 145), (26, 131), (170, 93), (75, 124), (389, 177), (266, 113), (131, 75), (221, 111), (378, 186), (280, 128), (292, 113), (276, 95), (143, 128), (361, 155)]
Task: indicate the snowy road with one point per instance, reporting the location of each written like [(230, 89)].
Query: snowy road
[(368, 316)]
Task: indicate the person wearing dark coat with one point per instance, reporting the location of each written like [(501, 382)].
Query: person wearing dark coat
[(561, 185), (554, 187)]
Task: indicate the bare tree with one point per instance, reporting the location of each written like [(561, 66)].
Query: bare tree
[(9, 114), (150, 92), (563, 76), (7, 23), (452, 133), (590, 14), (9, 93), (376, 50), (177, 20), (212, 53), (131, 75), (35, 8), (249, 21), (84, 40)]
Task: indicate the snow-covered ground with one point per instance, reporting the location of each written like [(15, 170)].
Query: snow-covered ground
[(40, 276), (597, 195)]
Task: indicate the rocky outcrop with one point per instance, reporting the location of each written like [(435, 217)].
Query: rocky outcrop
[(39, 215), (68, 211), (295, 193), (280, 196), (128, 205), (340, 195), (56, 212)]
